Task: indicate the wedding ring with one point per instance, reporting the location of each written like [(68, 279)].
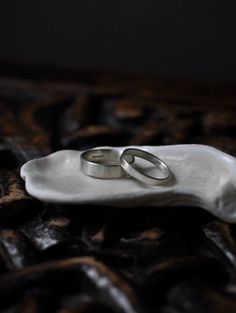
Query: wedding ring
[(103, 163), (138, 174)]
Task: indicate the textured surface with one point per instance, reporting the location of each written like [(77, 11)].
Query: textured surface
[(95, 259), (201, 176)]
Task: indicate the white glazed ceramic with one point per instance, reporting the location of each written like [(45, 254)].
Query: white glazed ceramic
[(202, 176)]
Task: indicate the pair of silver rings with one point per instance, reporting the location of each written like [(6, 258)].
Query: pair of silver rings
[(110, 163)]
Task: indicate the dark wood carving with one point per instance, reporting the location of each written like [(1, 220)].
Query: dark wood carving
[(69, 259)]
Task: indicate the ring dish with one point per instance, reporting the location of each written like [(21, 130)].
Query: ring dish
[(201, 176)]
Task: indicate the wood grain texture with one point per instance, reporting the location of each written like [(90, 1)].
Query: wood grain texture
[(70, 259)]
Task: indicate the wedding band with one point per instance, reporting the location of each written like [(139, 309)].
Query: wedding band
[(144, 178), (102, 163)]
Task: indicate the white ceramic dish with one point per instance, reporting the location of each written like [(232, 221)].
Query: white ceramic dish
[(202, 176)]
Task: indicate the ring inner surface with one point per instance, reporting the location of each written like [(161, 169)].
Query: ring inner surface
[(104, 157)]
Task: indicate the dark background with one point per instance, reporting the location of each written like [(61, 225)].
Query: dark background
[(170, 37)]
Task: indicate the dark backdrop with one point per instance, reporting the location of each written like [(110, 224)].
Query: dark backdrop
[(168, 37)]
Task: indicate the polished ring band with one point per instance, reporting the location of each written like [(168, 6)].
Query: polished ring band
[(102, 163), (144, 178)]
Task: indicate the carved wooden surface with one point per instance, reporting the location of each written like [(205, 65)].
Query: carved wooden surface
[(100, 259)]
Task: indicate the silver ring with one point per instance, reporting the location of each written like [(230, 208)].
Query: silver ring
[(144, 178), (102, 163)]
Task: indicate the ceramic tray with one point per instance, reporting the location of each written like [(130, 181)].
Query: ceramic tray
[(202, 176)]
